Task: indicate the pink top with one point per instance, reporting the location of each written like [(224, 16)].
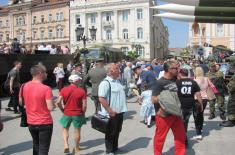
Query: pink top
[(204, 85), (35, 95), (65, 50)]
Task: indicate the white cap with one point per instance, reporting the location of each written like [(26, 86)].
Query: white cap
[(74, 78)]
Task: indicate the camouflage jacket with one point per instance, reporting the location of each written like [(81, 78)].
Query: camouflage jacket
[(217, 78), (231, 85)]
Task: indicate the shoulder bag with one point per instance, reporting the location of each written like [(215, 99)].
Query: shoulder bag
[(169, 102), (23, 121), (100, 122)]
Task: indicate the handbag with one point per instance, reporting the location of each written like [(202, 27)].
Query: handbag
[(212, 86), (100, 122), (23, 119)]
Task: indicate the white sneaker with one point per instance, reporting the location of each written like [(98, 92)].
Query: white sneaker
[(198, 137)]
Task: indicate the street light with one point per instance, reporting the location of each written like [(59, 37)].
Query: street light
[(80, 34), (81, 37)]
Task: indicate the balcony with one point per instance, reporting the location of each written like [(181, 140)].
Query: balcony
[(108, 24)]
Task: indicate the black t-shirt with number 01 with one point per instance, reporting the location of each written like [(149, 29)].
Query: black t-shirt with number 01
[(186, 91)]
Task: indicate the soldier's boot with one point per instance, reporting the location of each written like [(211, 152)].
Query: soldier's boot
[(222, 116), (212, 116)]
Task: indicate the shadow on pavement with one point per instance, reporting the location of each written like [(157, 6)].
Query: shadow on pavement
[(98, 152), (189, 151), (129, 115), (17, 148), (138, 143), (91, 143), (9, 118), (210, 125)]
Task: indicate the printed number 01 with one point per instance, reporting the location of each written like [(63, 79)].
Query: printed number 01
[(186, 90)]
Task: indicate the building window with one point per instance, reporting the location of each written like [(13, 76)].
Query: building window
[(108, 35), (42, 34), (139, 14), (57, 16), (0, 23), (108, 16), (125, 33), (50, 34), (93, 18), (23, 36), (42, 18), (18, 36), (34, 19), (125, 50), (20, 21), (34, 34), (61, 16), (140, 33), (78, 19), (125, 14), (220, 30), (59, 33), (50, 18), (7, 37), (141, 52), (7, 23), (1, 38)]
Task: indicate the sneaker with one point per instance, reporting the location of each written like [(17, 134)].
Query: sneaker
[(212, 116), (198, 137), (222, 116)]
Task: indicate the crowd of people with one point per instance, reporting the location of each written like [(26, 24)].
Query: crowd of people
[(186, 86), (17, 48)]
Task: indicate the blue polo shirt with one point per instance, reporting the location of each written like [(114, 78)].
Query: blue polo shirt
[(118, 97), (149, 77)]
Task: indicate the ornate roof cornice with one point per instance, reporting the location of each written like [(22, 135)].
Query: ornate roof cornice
[(108, 4)]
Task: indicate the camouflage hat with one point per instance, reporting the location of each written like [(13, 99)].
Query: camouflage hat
[(211, 64)]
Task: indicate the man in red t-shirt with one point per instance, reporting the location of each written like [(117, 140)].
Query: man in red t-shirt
[(75, 103), (37, 98)]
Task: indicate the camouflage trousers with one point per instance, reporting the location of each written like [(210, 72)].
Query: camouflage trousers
[(231, 107), (220, 101)]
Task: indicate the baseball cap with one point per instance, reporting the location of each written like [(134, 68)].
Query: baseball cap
[(135, 67), (74, 78), (147, 65)]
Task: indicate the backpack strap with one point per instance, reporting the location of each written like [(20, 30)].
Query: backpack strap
[(109, 90)]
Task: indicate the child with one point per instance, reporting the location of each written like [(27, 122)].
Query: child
[(147, 108)]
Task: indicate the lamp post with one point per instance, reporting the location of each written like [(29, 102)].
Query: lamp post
[(81, 37)]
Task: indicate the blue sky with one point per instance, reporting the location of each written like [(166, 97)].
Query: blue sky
[(178, 31)]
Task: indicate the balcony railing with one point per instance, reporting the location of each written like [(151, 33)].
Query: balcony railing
[(108, 24)]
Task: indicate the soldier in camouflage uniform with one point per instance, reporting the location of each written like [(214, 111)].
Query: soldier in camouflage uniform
[(231, 101), (217, 78)]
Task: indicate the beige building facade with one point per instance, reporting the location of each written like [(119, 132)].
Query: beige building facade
[(201, 34), (34, 22), (120, 24)]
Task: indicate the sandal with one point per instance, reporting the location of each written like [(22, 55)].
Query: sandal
[(66, 150)]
